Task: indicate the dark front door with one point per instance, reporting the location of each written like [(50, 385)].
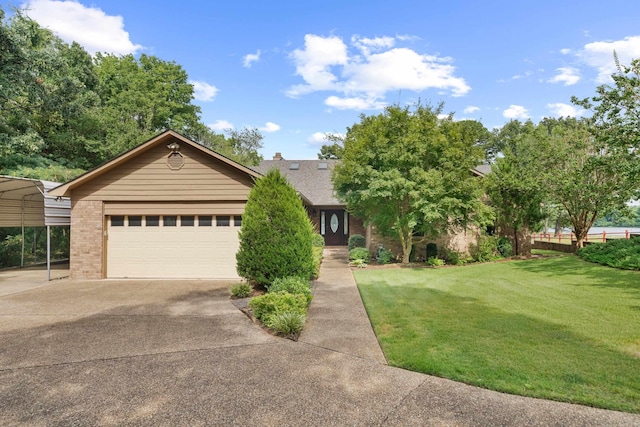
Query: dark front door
[(332, 227)]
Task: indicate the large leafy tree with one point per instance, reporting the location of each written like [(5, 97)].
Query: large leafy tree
[(407, 171), (276, 235), (516, 186), (588, 173)]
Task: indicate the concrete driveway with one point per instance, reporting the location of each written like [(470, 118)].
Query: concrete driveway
[(179, 353)]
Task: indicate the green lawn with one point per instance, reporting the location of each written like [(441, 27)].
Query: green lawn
[(557, 328)]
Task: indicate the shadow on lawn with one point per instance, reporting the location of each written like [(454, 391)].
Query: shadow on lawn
[(583, 273), (460, 338)]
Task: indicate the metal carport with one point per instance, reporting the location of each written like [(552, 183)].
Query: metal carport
[(24, 202)]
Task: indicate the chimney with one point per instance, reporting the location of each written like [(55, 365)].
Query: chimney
[(278, 156)]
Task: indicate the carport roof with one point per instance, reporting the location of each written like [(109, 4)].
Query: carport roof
[(26, 201)]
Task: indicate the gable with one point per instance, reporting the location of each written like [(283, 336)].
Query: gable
[(145, 174)]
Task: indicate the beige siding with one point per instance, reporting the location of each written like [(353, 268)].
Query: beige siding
[(165, 208), (147, 177)]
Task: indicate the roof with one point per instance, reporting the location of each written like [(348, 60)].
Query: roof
[(26, 201), (163, 138), (309, 177), (482, 170)]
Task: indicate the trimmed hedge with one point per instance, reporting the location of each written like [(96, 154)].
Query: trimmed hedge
[(356, 241), (620, 253)]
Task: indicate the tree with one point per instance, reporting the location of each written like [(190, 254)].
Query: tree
[(516, 186), (335, 150), (244, 145), (406, 171), (589, 173), (276, 235)]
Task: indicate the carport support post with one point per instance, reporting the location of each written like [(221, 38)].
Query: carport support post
[(48, 252)]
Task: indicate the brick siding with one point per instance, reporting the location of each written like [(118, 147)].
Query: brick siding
[(86, 239)]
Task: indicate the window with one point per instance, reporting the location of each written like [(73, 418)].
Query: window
[(187, 220), (323, 165), (204, 220), (223, 221), (237, 221), (294, 166), (152, 221), (117, 221), (169, 221), (135, 221)]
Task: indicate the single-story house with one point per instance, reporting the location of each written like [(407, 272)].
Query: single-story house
[(172, 208)]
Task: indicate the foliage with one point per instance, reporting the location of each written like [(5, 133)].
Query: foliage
[(618, 253), (288, 324), (432, 250), (317, 261), (359, 254), (385, 256), (335, 150), (276, 235), (317, 241), (516, 185), (356, 241), (241, 290), (504, 247), (35, 245), (359, 263), (292, 285), (453, 257), (486, 249), (407, 170), (620, 218), (555, 328), (435, 261), (272, 303)]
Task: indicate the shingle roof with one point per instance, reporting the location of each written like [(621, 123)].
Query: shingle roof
[(309, 179)]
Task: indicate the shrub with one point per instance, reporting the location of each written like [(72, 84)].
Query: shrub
[(241, 290), (432, 250), (360, 263), (453, 257), (288, 323), (317, 261), (272, 303), (293, 285), (317, 241), (359, 254), (356, 241), (435, 261), (485, 250), (385, 256), (504, 247), (276, 234), (620, 253)]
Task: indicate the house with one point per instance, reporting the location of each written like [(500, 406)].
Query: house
[(312, 179), (169, 208)]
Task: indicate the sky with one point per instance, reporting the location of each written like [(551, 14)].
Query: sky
[(298, 70)]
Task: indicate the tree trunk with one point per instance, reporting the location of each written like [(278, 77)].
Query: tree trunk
[(406, 242)]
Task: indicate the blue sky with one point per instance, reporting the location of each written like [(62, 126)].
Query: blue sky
[(299, 69)]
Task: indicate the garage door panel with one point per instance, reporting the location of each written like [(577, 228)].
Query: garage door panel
[(172, 252)]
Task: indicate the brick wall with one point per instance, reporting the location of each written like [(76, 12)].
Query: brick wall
[(86, 239)]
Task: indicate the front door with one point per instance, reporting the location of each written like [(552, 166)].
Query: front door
[(333, 227)]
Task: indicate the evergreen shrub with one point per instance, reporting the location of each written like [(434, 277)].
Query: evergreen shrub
[(356, 241), (276, 235), (356, 254), (293, 285)]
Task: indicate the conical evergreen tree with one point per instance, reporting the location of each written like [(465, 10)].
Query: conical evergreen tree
[(276, 235)]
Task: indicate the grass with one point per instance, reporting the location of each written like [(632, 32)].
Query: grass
[(556, 328)]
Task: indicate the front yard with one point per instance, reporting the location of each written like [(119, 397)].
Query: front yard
[(556, 328)]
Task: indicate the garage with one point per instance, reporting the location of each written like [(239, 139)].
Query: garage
[(167, 209), (172, 246)]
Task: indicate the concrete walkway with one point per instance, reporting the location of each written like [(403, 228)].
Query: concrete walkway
[(337, 318)]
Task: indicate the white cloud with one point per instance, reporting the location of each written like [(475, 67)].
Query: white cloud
[(600, 55), (353, 103), (203, 91), (374, 68), (221, 125), (567, 75), (565, 51), (516, 112), (565, 110), (320, 138), (89, 26), (251, 58), (270, 127), (471, 109)]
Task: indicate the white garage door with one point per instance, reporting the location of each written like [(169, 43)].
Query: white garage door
[(172, 246)]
